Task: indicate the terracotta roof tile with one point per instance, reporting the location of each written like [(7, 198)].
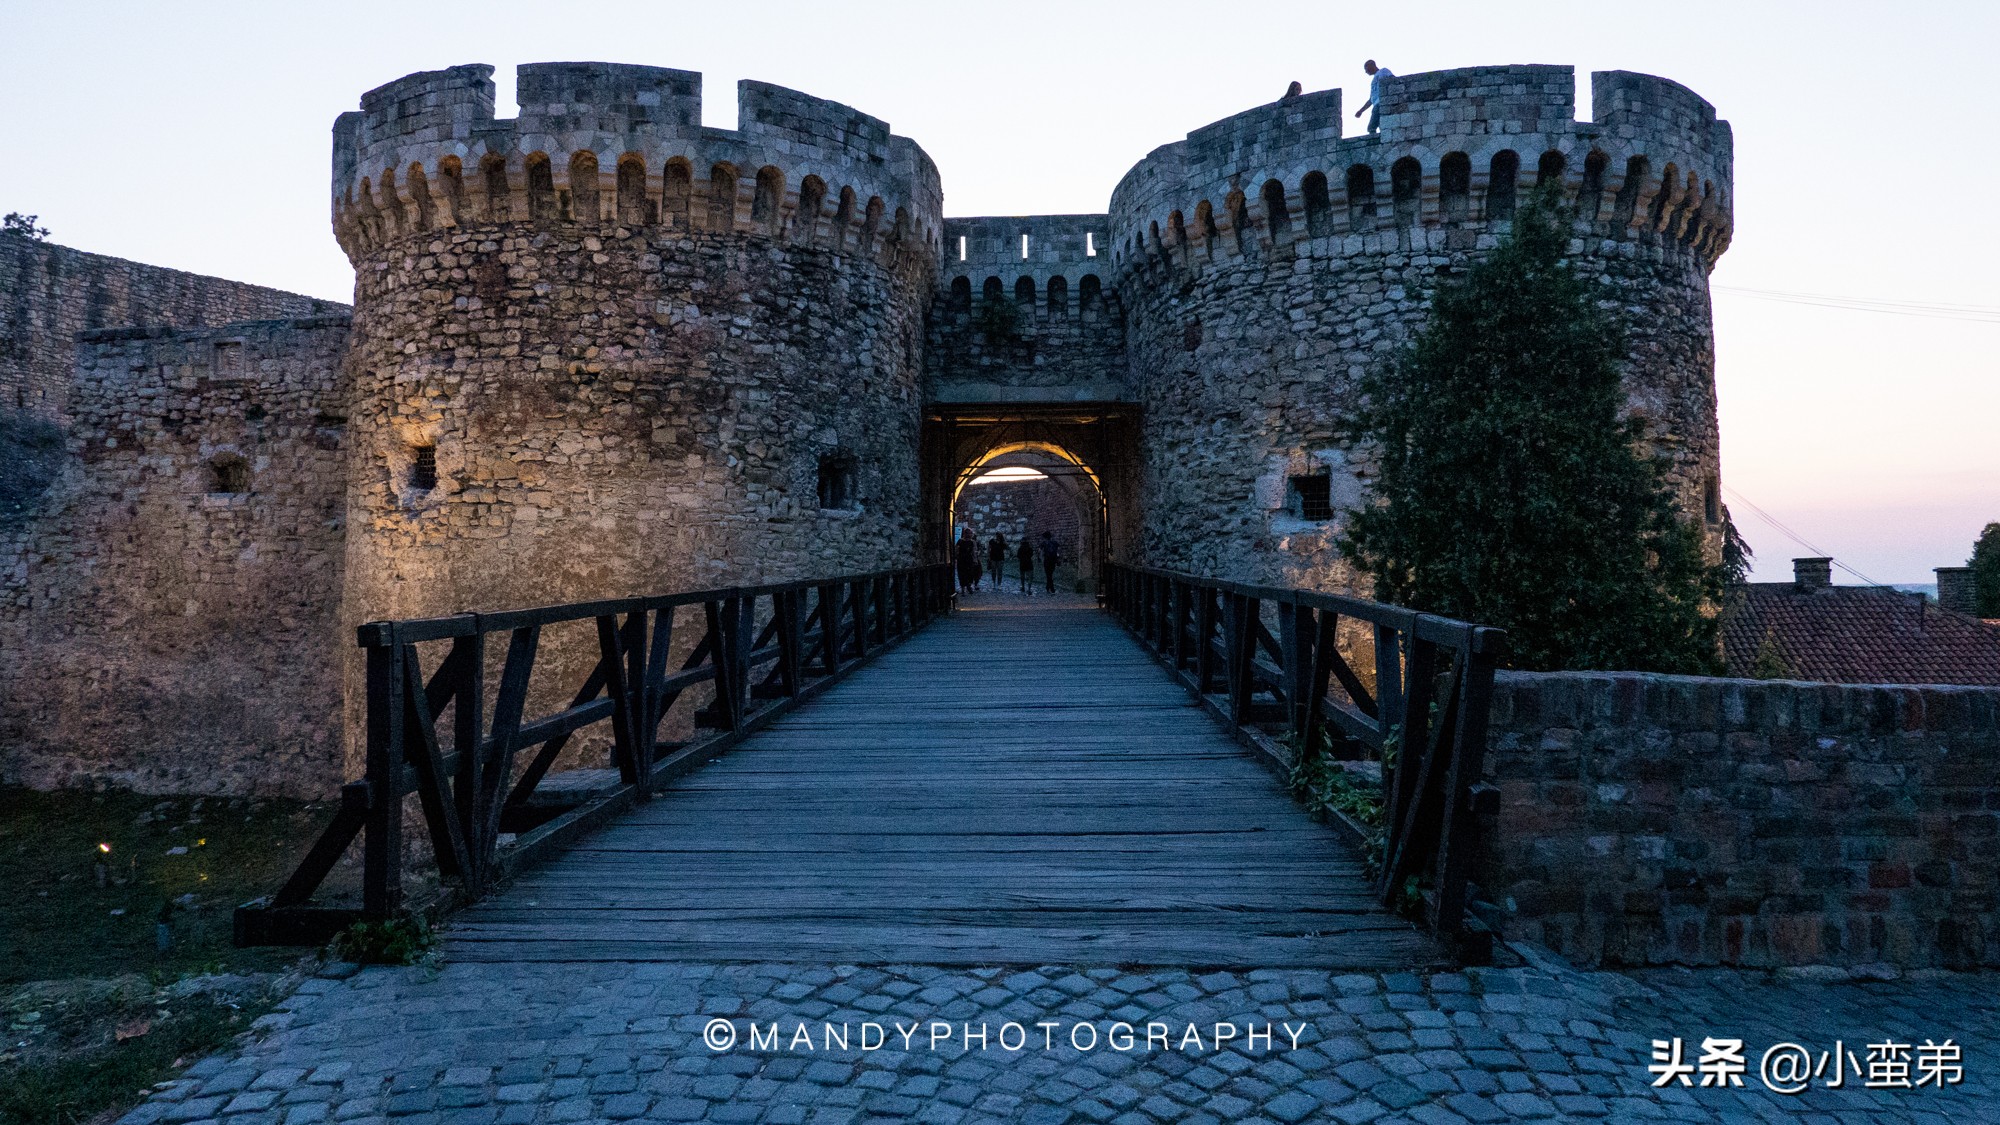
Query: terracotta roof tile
[(1856, 635)]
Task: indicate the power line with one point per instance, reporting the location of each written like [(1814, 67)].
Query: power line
[(1795, 537), (1928, 310)]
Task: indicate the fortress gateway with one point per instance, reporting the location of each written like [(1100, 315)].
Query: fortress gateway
[(600, 349)]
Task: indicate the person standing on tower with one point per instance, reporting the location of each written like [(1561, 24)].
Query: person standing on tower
[(1375, 76)]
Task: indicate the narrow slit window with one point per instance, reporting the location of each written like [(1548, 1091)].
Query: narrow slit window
[(961, 248), (424, 468), (836, 483), (1024, 247), (1312, 496), (1089, 244)]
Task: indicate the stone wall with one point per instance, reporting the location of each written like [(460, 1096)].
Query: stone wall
[(1662, 819), (49, 293), (1265, 263), (1037, 327), (169, 610), (632, 366)]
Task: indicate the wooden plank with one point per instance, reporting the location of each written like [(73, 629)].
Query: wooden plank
[(1017, 784)]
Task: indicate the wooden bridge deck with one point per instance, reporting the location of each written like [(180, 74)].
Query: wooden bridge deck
[(1017, 784)]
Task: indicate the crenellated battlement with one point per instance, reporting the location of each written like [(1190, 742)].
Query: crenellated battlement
[(602, 143), (1456, 150), (1057, 264)]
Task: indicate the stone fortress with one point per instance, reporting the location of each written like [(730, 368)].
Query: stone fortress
[(601, 349)]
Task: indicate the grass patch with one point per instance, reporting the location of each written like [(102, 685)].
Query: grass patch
[(96, 1074), (70, 908), (399, 941), (1324, 785), (86, 882)]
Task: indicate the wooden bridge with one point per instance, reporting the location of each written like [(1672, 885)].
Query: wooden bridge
[(1016, 782)]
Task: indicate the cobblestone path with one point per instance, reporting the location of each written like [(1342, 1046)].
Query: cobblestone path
[(487, 1044), (573, 1027)]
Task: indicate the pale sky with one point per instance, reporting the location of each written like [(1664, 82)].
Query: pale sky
[(197, 135)]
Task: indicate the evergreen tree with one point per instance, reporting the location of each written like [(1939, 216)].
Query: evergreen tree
[(1736, 552), (1512, 489), (1985, 564)]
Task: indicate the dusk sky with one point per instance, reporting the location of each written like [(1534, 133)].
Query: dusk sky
[(197, 136)]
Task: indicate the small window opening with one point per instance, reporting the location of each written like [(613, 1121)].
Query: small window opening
[(230, 475), (961, 248), (1312, 496), (836, 482), (1089, 244), (229, 360), (424, 468), (1024, 247)]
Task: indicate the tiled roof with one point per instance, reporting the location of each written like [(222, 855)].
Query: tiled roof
[(1854, 635)]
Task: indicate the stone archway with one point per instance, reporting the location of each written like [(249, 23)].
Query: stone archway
[(1085, 487), (1026, 490)]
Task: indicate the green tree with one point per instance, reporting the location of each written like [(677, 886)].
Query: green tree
[(1985, 564), (24, 225), (1736, 552), (1512, 489)]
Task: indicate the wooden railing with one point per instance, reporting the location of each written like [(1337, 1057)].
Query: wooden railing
[(477, 762), (1269, 662)]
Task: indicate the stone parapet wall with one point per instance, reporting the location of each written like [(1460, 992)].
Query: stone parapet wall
[(169, 609), (1652, 819), (1058, 333), (607, 143), (1654, 161), (49, 293)]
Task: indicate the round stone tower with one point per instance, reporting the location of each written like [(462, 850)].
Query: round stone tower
[(601, 350), (1265, 262)]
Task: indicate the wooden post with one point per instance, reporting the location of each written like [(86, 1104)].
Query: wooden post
[(382, 847), (743, 637), (1204, 639), (613, 659), (1242, 636), (858, 597), (791, 634), (1295, 639), (1456, 831), (468, 660), (828, 610)]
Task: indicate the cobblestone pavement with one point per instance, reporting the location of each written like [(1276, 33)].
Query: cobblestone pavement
[(512, 1044)]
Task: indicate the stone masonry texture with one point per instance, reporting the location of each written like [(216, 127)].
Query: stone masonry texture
[(49, 293), (1264, 263), (526, 1044), (1650, 819), (169, 607)]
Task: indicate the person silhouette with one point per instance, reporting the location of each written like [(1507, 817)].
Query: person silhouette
[(1375, 76), (996, 558)]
